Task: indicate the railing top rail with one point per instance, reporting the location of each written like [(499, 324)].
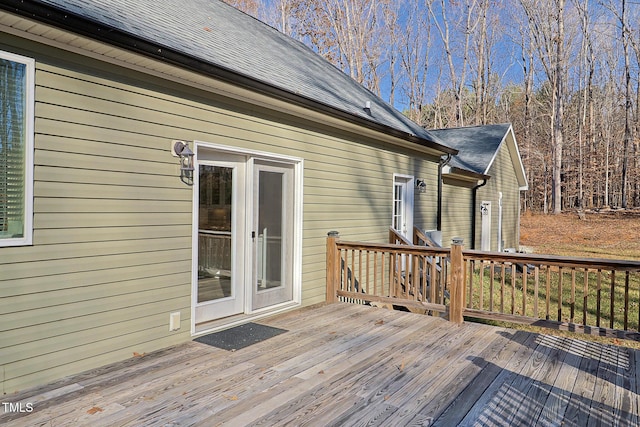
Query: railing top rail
[(423, 236), (414, 250), (400, 237), (554, 260)]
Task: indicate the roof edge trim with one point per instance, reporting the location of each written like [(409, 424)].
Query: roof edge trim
[(466, 174)]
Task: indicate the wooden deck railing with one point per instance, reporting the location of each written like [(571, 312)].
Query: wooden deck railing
[(598, 293), (398, 274), (214, 250), (396, 238), (420, 238), (571, 293)]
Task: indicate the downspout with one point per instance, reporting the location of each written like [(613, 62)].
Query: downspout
[(442, 163), (474, 213)]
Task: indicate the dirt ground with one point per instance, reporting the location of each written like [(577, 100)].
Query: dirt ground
[(613, 234)]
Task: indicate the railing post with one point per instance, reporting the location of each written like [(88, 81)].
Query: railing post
[(333, 266), (457, 282)]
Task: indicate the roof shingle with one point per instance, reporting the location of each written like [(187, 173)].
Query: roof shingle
[(477, 145), (217, 34)]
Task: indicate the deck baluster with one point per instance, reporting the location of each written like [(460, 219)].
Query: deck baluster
[(612, 297), (585, 297), (572, 303)]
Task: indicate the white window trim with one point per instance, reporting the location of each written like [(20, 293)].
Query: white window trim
[(30, 63)]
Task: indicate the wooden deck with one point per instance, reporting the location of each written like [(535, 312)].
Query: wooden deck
[(344, 364)]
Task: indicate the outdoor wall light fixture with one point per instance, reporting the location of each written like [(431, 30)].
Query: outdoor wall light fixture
[(421, 186), (181, 149)]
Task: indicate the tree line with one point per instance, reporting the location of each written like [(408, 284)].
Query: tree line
[(565, 73)]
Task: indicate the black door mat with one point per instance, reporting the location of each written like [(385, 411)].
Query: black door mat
[(240, 336)]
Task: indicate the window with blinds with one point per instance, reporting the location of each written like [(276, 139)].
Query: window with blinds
[(16, 149)]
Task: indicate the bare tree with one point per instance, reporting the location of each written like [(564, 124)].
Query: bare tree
[(415, 48), (524, 35), (628, 104), (586, 72), (466, 24), (574, 105), (483, 65), (250, 7), (392, 40), (349, 33), (634, 39), (282, 15), (547, 20)]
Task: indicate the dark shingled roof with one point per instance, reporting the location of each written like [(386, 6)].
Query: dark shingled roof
[(214, 33), (477, 145)]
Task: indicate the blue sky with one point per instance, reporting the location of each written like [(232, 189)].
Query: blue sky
[(506, 57)]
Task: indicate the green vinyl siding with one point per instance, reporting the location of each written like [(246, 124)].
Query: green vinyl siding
[(426, 203), (456, 214), (111, 254), (503, 179)]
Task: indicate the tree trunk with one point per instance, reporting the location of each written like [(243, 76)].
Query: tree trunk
[(558, 122), (628, 104)]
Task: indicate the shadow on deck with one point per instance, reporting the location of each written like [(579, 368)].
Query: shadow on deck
[(347, 364)]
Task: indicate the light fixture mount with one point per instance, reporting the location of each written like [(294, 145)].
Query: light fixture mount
[(181, 149)]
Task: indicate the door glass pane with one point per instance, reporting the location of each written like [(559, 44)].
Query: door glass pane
[(214, 233), (398, 208), (270, 229)]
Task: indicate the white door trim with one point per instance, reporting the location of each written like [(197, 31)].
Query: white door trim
[(408, 184)]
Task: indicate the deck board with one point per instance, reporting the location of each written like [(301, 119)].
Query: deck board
[(494, 398), (602, 410), (577, 413), (532, 385), (422, 391), (555, 405), (627, 403), (490, 366), (344, 364), (439, 399), (343, 357)]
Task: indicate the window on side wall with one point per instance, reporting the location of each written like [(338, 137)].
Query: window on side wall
[(16, 149)]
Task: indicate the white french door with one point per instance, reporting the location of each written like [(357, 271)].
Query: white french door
[(402, 219), (219, 290), (246, 233), (272, 234)]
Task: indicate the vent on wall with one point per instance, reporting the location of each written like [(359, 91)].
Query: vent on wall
[(174, 321)]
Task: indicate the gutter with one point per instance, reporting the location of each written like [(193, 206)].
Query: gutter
[(474, 212), (467, 175), (113, 36)]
